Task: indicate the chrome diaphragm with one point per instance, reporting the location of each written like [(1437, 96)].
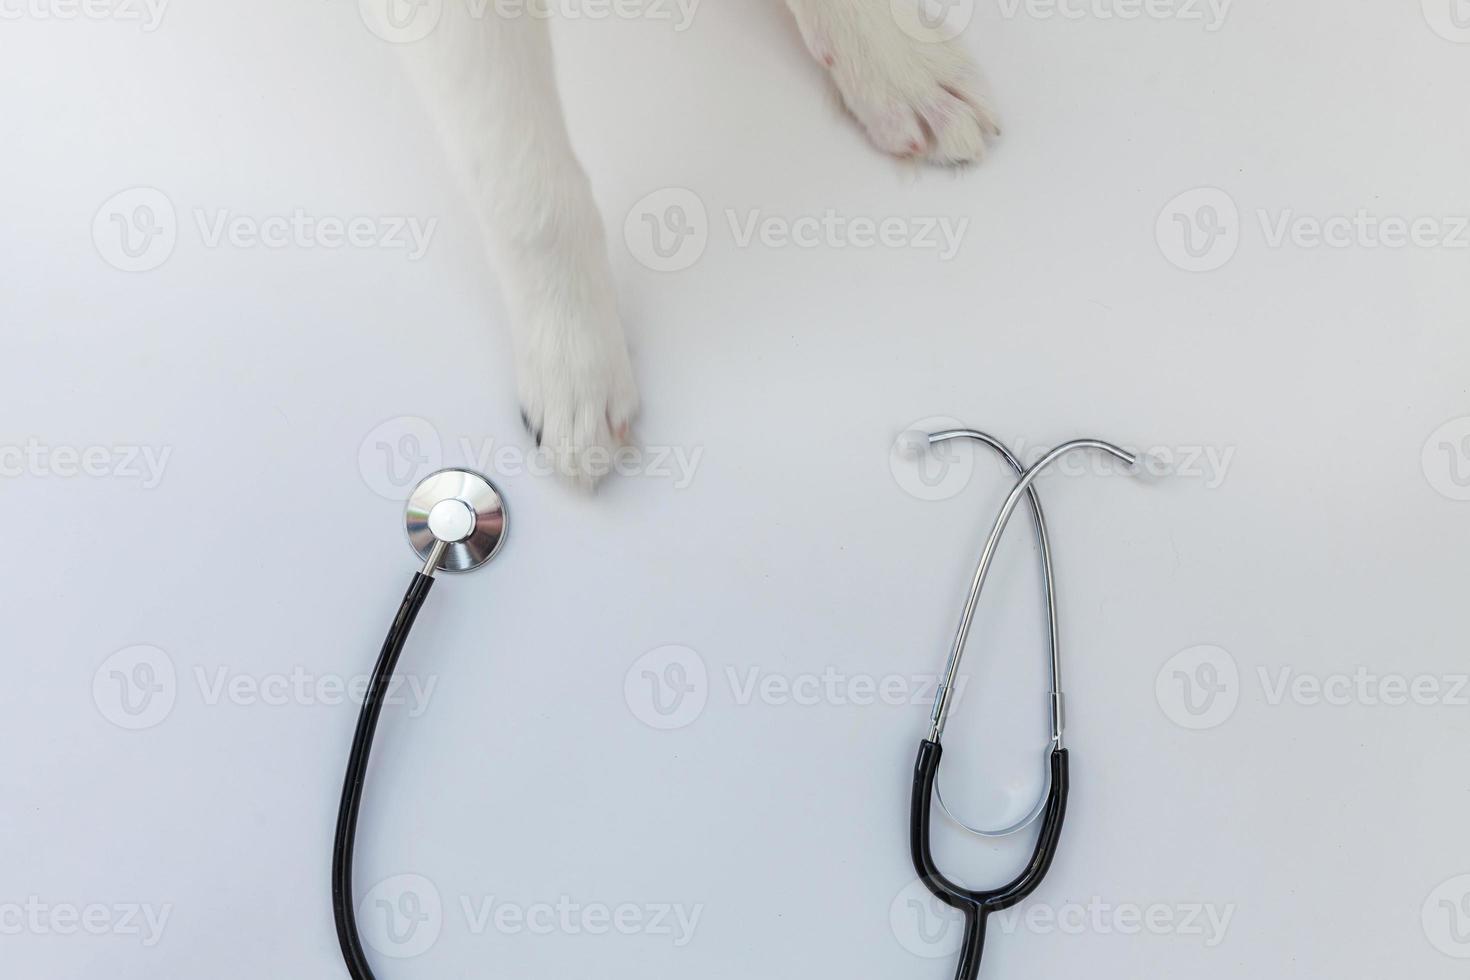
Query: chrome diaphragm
[(460, 510)]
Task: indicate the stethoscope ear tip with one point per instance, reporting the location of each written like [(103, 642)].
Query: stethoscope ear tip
[(913, 444)]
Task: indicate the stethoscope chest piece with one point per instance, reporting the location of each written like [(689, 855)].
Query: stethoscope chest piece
[(460, 510)]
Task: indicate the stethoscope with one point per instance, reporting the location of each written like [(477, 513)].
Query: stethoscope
[(456, 522), (1051, 807)]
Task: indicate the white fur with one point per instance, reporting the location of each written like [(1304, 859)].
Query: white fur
[(489, 80), (913, 90)]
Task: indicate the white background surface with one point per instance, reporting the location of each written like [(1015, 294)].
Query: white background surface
[(1331, 835)]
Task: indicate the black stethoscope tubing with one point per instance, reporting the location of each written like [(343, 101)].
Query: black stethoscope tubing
[(362, 745)]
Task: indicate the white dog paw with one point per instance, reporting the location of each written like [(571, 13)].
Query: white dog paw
[(578, 397), (914, 92)]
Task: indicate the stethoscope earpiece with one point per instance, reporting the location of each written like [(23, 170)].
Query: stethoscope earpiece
[(1051, 809)]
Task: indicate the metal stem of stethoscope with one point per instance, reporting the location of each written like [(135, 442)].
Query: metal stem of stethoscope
[(977, 905), (967, 617), (1048, 581)]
